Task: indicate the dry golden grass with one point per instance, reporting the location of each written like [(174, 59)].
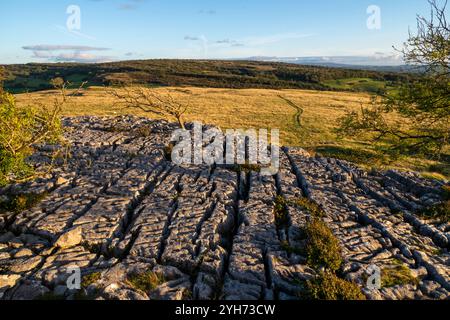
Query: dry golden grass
[(257, 108), (248, 108)]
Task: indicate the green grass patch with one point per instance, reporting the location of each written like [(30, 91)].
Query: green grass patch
[(398, 274), (356, 155), (281, 212), (146, 281), (27, 84), (327, 286), (21, 202), (442, 167), (86, 281), (90, 279), (322, 247), (433, 176), (306, 204), (440, 212), (359, 84)]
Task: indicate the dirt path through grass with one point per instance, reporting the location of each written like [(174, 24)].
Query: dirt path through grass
[(298, 114)]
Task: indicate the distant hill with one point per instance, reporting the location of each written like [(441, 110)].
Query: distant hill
[(383, 63), (199, 73)]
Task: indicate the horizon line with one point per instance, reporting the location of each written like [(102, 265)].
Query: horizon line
[(260, 59)]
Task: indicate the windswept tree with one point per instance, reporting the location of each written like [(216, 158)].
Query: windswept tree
[(62, 86), (151, 101), (421, 106)]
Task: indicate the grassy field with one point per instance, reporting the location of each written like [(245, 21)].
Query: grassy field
[(263, 108), (359, 84)]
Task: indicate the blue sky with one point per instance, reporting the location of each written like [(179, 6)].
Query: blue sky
[(36, 31)]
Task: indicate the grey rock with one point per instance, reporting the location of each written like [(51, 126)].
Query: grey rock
[(30, 290), (25, 264), (118, 207), (70, 238), (172, 290), (115, 292), (8, 280)]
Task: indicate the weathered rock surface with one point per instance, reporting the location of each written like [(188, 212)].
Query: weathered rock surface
[(118, 207)]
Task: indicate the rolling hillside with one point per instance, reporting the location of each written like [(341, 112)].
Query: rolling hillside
[(198, 73)]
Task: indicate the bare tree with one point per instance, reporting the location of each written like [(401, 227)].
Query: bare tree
[(151, 101), (62, 86)]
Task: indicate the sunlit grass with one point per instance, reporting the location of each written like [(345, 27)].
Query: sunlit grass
[(263, 108)]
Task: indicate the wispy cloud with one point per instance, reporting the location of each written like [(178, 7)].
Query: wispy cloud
[(191, 38), (80, 57), (208, 11), (228, 47), (45, 47), (126, 4), (130, 5), (67, 53), (229, 42)]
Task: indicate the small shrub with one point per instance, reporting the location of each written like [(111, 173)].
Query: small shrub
[(13, 165), (322, 247), (313, 208), (440, 211), (21, 128), (327, 286), (146, 281), (280, 212), (90, 279), (21, 202), (86, 281), (399, 274)]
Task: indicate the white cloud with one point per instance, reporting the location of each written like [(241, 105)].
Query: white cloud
[(45, 47), (68, 53)]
